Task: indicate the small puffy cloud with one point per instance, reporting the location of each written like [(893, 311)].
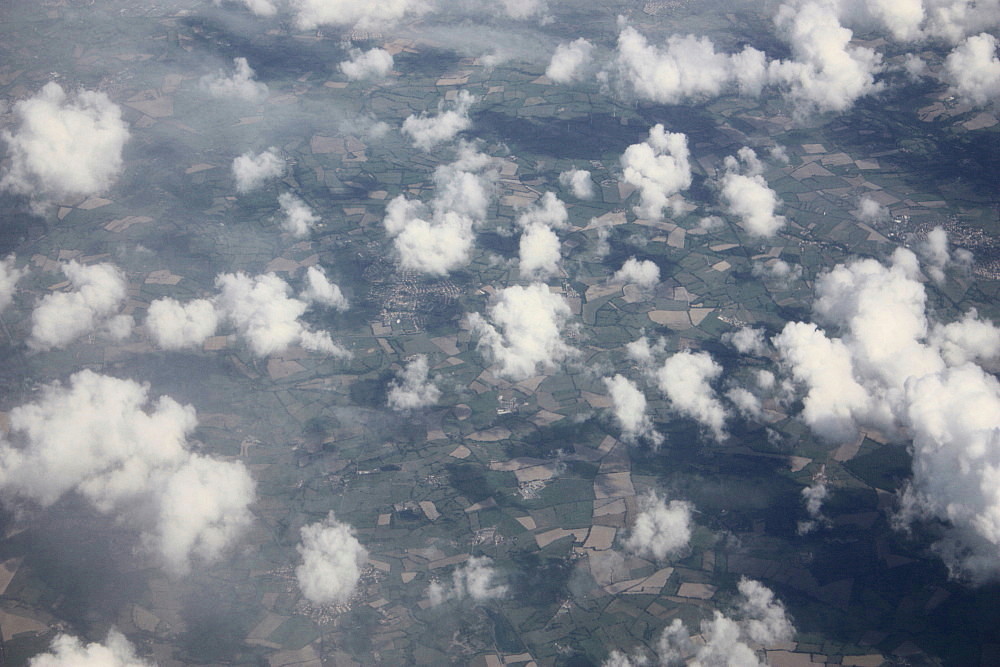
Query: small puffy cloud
[(361, 14), (252, 171), (69, 651), (777, 270), (748, 197), (64, 144), (238, 85), (764, 619), (548, 211), (660, 167), (429, 131), (644, 273), (372, 64), (539, 252), (870, 211), (264, 314), (332, 558), (319, 289), (524, 331), (174, 326), (413, 389), (973, 69), (97, 293), (579, 182), (9, 275), (473, 580), (934, 251), (642, 352), (747, 340), (661, 530), (813, 496), (685, 380), (629, 406), (746, 402), (99, 437), (523, 9), (258, 7), (299, 219), (570, 61)]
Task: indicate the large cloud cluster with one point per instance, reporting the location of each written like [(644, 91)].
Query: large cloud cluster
[(97, 292), (99, 437), (438, 237), (413, 389), (64, 145), (886, 364), (429, 131), (238, 85), (69, 651), (473, 580), (661, 529), (660, 167), (524, 332), (260, 308), (332, 558)]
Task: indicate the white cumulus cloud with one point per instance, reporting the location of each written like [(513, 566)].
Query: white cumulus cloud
[(473, 580), (69, 651), (429, 131), (629, 407), (661, 530), (685, 380), (973, 69), (372, 64), (523, 332), (99, 436), (660, 167), (319, 289), (299, 219), (240, 84), (332, 558), (413, 389), (174, 325), (578, 182), (644, 273), (97, 292), (9, 275), (252, 171), (64, 144), (570, 61), (748, 197)]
